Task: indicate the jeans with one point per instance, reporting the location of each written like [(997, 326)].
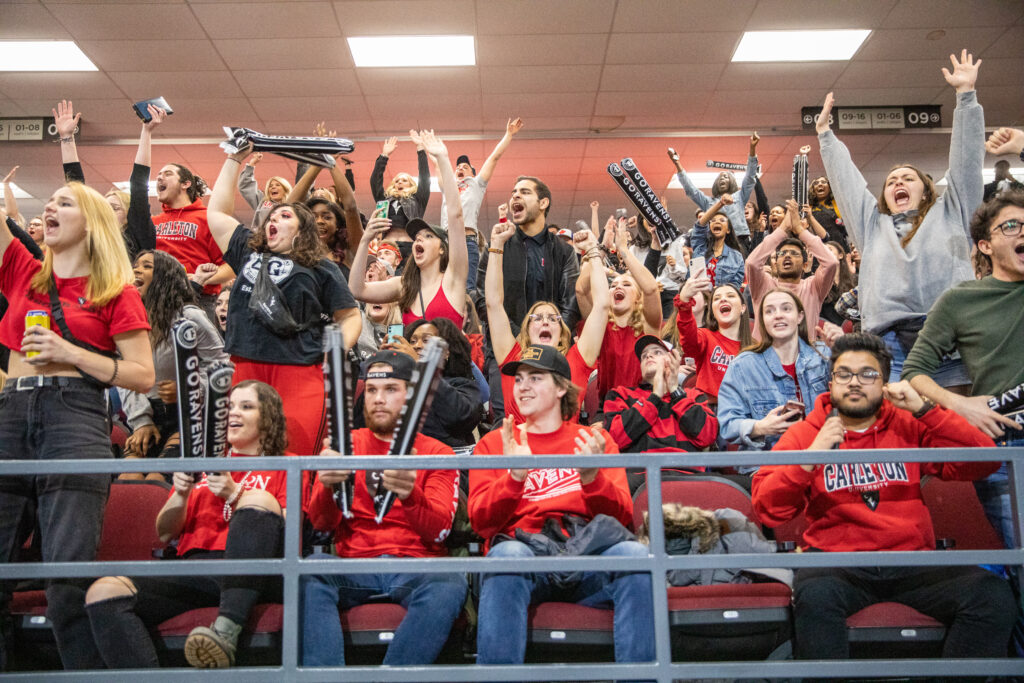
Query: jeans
[(976, 606), (57, 423), (994, 492), (432, 601), (951, 371), (504, 599)]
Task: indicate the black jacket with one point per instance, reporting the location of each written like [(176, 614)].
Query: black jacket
[(402, 209), (561, 269)]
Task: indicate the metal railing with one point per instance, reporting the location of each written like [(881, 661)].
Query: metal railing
[(657, 563)]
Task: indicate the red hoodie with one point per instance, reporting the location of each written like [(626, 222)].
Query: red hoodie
[(184, 234), (839, 519), (498, 504)]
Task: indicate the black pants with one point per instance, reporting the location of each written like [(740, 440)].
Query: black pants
[(976, 606), (57, 423)]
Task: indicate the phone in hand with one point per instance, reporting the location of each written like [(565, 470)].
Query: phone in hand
[(382, 208), (395, 331), (698, 267), (141, 108), (792, 405)]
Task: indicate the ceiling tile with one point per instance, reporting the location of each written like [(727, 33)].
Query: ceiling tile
[(539, 125), (285, 53), (908, 13), (151, 55), (864, 74), (229, 20), (752, 76), (910, 43), (418, 108), (393, 122), (55, 86), (406, 17), (422, 80), (552, 104), (93, 112), (540, 50), (885, 96), (1009, 44), (526, 17), (666, 77), (298, 82), (30, 22), (815, 14), (767, 101), (541, 79), (668, 48), (140, 21), (314, 108), (641, 16), (680, 103), (176, 84)]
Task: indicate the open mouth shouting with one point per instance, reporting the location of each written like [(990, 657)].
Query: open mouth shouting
[(901, 196), (518, 208), (724, 309)]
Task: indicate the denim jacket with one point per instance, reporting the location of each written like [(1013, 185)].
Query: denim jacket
[(731, 263), (755, 383)]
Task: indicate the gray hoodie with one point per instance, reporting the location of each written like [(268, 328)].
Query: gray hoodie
[(896, 283)]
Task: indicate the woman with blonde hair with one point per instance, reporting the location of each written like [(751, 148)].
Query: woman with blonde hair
[(542, 324), (93, 334), (406, 196)]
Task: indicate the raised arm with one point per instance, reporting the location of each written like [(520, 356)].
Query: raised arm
[(5, 236), (458, 256), (372, 292), (347, 200), (511, 128), (692, 191), (377, 175), (139, 218), (220, 210), (750, 175), (592, 336), (965, 187), (644, 280), (247, 186), (10, 202), (66, 120), (502, 339), (301, 188)]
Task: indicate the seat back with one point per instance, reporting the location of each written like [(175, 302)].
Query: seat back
[(129, 523), (957, 514), (699, 490)]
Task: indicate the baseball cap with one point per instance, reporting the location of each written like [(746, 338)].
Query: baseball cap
[(416, 224), (401, 365), (541, 357), (645, 341), (463, 159), (564, 232)]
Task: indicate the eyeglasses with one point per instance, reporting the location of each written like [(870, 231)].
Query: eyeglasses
[(788, 252), (866, 376), (545, 318), (1010, 228)]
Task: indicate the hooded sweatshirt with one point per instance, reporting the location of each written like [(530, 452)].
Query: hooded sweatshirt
[(184, 234), (837, 498)]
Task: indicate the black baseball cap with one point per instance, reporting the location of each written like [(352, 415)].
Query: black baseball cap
[(645, 341), (463, 159), (541, 357), (416, 224), (401, 364)]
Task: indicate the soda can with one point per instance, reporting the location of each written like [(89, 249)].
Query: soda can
[(41, 318)]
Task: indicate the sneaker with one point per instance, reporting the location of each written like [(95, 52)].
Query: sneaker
[(213, 647)]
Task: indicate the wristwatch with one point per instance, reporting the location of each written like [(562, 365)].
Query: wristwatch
[(925, 407)]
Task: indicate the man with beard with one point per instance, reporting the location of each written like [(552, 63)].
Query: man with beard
[(878, 506), (790, 244), (537, 266), (415, 526)]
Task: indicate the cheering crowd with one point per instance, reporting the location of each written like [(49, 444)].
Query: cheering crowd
[(867, 318)]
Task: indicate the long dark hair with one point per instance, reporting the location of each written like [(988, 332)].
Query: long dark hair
[(306, 250), (847, 278), (411, 279), (169, 291), (337, 244), (272, 425), (460, 354), (711, 322)]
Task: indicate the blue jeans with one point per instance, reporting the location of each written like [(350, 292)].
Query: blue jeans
[(994, 492), (432, 601), (951, 371), (505, 598)]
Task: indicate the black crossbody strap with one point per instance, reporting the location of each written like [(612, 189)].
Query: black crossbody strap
[(57, 315)]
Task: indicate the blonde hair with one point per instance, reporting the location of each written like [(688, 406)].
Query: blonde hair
[(284, 183), (564, 336), (123, 197), (394, 192), (636, 316), (109, 267)]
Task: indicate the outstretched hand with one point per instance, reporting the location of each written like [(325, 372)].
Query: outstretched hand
[(514, 126), (822, 124), (432, 144), (965, 72), (66, 119), (389, 146)]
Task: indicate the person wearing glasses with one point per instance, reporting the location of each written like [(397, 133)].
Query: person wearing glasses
[(791, 245), (542, 324), (984, 321), (879, 507)]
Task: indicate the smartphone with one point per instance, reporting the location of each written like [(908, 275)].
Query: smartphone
[(689, 361), (396, 330), (141, 108), (792, 405), (382, 208), (698, 266)]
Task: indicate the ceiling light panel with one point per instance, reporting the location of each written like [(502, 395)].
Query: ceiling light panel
[(43, 55), (377, 51), (799, 46)]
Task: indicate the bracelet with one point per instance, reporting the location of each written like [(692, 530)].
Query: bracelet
[(114, 376), (495, 251), (923, 410), (70, 138)]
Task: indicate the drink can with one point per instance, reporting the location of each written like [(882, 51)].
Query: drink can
[(41, 318)]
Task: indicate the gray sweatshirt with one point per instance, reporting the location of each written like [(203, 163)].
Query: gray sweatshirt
[(896, 283)]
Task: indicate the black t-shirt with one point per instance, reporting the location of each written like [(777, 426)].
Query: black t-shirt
[(310, 293), (535, 247)]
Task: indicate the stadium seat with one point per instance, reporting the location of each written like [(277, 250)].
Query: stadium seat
[(564, 631), (721, 621), (260, 642)]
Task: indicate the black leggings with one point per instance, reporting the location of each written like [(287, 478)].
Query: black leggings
[(121, 626)]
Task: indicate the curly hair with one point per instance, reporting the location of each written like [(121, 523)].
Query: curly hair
[(460, 354), (336, 244), (273, 426), (169, 291), (307, 250), (198, 186)]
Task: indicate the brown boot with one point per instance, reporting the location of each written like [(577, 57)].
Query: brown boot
[(213, 647)]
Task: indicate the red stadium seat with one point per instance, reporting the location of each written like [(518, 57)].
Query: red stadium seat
[(261, 636), (371, 624), (721, 621)]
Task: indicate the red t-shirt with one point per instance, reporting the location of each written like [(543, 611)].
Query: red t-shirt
[(184, 234), (205, 528), (96, 326), (414, 527), (791, 371), (578, 368), (617, 364), (711, 351), (500, 504)]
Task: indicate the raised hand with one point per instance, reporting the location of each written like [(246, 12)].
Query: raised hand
[(965, 72), (1005, 141), (9, 178), (754, 139), (432, 144), (66, 119), (500, 233), (584, 241), (156, 117), (417, 138), (594, 206), (389, 146), (821, 125), (255, 159), (513, 126), (699, 283)]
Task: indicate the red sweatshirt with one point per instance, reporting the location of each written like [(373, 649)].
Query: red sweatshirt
[(839, 519), (414, 527), (500, 504), (641, 422), (712, 351), (184, 234)]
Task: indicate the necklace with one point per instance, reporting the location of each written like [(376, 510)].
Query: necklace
[(228, 511)]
